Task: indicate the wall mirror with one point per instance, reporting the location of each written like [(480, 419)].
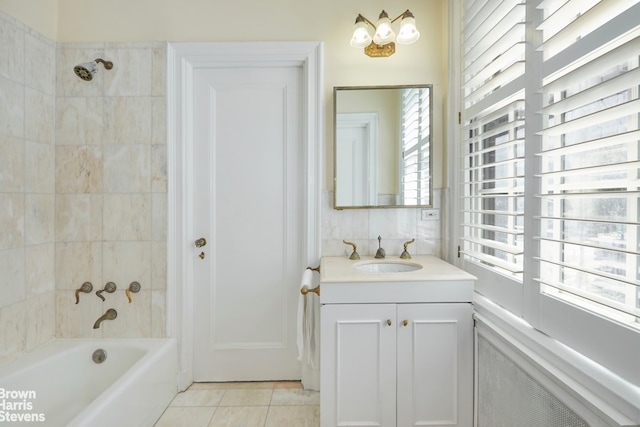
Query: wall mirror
[(382, 146)]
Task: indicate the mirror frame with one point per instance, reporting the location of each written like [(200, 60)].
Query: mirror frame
[(335, 143)]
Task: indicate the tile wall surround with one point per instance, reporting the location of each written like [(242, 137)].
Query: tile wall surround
[(83, 189), (111, 189), (394, 225), (27, 193)]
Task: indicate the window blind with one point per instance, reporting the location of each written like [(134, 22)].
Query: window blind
[(416, 140), (493, 142), (589, 229)]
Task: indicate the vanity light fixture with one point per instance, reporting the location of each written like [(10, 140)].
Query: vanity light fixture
[(382, 43)]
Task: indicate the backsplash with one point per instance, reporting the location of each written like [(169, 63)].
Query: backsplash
[(394, 225)]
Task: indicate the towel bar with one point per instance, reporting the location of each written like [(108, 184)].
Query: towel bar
[(314, 269), (305, 290)]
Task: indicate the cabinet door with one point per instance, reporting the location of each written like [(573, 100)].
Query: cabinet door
[(435, 365), (358, 365)]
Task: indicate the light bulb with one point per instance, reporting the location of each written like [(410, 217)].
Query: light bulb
[(408, 32), (361, 36), (384, 34)]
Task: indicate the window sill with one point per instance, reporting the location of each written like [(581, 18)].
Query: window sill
[(612, 397)]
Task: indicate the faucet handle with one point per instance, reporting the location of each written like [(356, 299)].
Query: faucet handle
[(354, 254), (86, 288), (133, 287), (109, 287), (380, 253), (405, 253)]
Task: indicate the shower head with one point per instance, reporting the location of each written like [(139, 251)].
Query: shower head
[(87, 70)]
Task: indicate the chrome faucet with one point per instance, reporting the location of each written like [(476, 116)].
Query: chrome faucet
[(109, 315), (380, 252)]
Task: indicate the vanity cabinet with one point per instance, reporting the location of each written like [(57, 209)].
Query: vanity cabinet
[(396, 348), (397, 365)]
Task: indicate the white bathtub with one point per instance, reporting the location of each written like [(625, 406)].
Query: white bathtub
[(58, 384)]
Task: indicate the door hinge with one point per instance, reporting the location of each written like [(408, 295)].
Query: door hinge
[(458, 251), (459, 117)]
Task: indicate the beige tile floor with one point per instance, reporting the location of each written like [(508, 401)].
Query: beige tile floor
[(243, 404)]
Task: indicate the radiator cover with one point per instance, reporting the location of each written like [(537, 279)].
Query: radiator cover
[(509, 397)]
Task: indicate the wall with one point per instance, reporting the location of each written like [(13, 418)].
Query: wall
[(27, 128), (98, 211), (41, 15)]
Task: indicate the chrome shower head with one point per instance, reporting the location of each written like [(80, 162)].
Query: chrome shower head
[(87, 70)]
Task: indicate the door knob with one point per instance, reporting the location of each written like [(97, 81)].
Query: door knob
[(200, 242)]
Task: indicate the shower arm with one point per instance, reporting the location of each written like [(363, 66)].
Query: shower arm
[(107, 64)]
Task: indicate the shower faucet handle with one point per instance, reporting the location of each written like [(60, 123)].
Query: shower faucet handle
[(86, 287), (133, 287), (109, 287)]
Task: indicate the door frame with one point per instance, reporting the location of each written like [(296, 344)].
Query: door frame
[(369, 122), (182, 60)]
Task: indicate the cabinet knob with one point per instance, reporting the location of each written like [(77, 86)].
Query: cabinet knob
[(405, 322), (389, 322)]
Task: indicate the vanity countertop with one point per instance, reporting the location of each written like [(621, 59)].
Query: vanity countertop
[(436, 281)]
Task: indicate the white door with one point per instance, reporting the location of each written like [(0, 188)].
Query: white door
[(248, 205), (356, 165)]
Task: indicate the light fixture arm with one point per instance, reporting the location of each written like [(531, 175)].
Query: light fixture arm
[(406, 14), (361, 18)]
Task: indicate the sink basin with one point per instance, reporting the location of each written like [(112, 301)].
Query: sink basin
[(387, 267)]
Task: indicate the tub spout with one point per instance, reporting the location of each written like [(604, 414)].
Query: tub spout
[(109, 315)]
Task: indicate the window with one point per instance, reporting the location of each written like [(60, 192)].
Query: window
[(494, 145), (415, 145), (590, 177), (550, 168)]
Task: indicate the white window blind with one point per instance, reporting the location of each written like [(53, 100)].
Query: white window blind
[(416, 141), (493, 142), (590, 164)]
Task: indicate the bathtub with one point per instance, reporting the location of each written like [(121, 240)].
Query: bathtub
[(58, 384)]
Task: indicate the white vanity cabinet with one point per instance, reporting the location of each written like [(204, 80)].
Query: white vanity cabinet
[(399, 356)]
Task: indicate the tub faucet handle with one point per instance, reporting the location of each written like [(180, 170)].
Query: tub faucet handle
[(354, 254), (133, 287), (405, 252), (109, 287), (86, 288)]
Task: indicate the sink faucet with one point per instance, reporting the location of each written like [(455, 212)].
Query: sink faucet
[(380, 252), (109, 315), (405, 253)]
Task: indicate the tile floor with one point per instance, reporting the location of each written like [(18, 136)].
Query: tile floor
[(243, 404)]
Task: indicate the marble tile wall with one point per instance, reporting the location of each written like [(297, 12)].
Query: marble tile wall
[(27, 192), (395, 226), (111, 189), (83, 189)]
